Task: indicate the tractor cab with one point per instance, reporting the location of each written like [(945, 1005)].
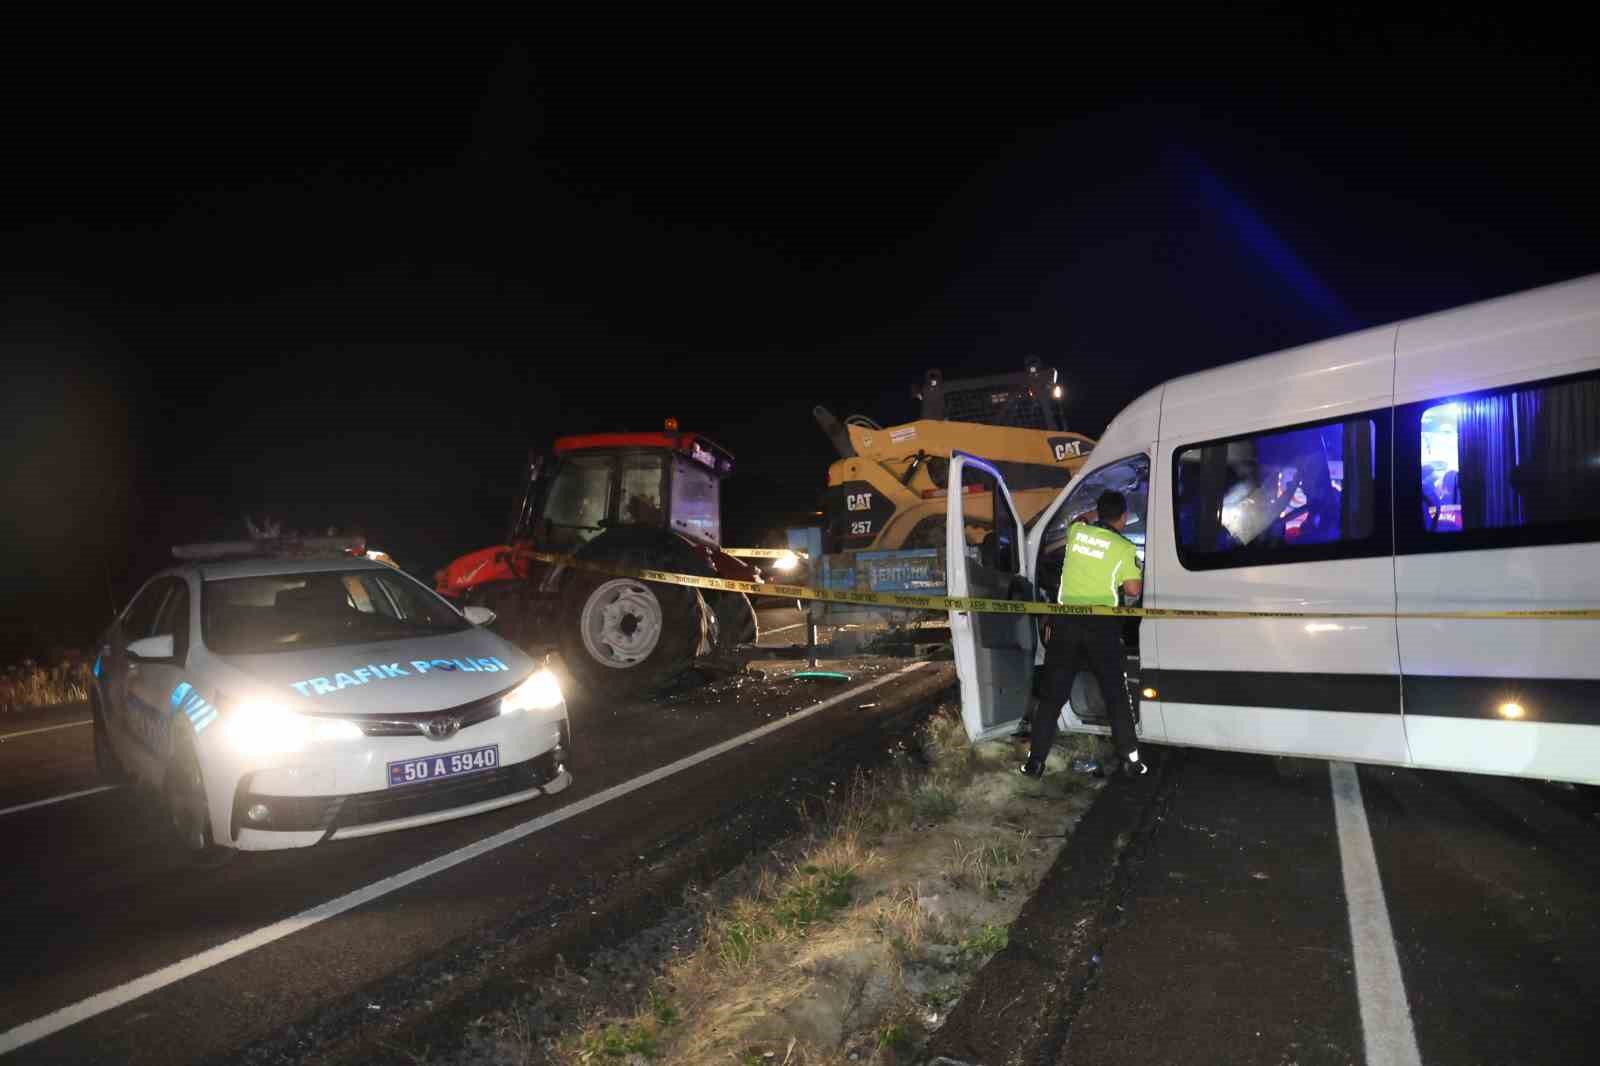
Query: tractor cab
[(626, 501), (595, 482)]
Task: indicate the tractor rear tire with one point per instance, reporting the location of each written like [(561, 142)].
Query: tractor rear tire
[(736, 622), (622, 638)]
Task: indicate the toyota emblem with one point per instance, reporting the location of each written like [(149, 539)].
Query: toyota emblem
[(441, 727)]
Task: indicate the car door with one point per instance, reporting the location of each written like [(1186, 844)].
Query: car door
[(1047, 547), (136, 622), (151, 680), (994, 651)]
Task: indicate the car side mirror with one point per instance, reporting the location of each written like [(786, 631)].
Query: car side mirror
[(478, 616), (151, 648)]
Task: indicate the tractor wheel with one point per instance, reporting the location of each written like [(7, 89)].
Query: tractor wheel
[(623, 638), (736, 621)]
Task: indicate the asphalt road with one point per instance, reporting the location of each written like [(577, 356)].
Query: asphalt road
[(1221, 914), (95, 899)]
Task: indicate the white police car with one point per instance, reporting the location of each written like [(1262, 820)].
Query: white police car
[(280, 701)]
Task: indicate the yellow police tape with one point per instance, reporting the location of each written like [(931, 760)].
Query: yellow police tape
[(992, 606), (763, 553)]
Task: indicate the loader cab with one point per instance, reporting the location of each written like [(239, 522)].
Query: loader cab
[(592, 483), (1027, 400)]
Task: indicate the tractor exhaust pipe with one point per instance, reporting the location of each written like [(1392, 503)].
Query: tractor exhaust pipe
[(835, 432)]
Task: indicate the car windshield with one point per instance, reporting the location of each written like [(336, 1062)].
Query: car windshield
[(293, 612)]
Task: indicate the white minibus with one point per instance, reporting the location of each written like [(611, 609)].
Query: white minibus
[(1449, 463)]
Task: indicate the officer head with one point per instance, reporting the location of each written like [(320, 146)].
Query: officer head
[(1112, 509)]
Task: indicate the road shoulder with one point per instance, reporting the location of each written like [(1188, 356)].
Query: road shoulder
[(1196, 917)]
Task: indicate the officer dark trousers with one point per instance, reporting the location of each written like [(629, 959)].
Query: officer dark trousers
[(1074, 643)]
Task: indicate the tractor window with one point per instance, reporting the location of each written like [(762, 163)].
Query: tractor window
[(696, 500), (640, 503), (578, 501)]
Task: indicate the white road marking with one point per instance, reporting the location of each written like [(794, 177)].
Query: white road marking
[(781, 629), (43, 729), (54, 799), (55, 1021), (1385, 1015)]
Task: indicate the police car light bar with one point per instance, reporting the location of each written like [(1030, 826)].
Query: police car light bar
[(273, 548)]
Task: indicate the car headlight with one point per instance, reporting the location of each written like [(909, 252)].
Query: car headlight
[(540, 692), (786, 562), (261, 727)]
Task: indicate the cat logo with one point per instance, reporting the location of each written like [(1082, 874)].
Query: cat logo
[(1064, 448), (858, 501)]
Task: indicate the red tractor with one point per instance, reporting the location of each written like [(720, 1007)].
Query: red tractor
[(635, 500)]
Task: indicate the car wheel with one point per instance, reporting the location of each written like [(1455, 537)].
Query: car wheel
[(621, 637), (187, 811)]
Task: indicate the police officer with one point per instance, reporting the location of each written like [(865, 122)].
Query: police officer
[(1100, 566)]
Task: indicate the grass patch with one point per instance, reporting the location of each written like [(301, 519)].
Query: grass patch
[(662, 1009), (809, 897), (617, 1042), (894, 1036), (986, 867), (933, 804), (735, 941), (987, 940), (813, 898), (901, 922), (29, 684), (853, 926)]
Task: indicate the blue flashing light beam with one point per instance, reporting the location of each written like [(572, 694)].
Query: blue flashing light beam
[(1248, 225)]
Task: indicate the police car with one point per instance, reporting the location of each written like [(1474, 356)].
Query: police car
[(287, 694)]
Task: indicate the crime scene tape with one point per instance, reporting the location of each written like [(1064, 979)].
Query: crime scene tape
[(983, 605), (763, 553)]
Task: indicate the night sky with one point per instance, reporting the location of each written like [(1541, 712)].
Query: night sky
[(352, 279)]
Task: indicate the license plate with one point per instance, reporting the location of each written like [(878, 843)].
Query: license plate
[(449, 764)]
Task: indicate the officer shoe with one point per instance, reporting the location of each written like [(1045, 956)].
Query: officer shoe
[(1133, 766), (1031, 769)]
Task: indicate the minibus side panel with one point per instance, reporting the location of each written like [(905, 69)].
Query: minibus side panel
[(1498, 428), (1298, 686)]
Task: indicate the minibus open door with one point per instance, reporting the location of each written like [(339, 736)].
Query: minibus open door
[(986, 556)]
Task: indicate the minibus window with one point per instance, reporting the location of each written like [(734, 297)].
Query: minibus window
[(1522, 457), (1131, 477), (1278, 496)]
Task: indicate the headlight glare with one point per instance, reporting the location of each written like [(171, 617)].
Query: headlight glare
[(540, 692), (786, 562), (335, 729), (263, 727)]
